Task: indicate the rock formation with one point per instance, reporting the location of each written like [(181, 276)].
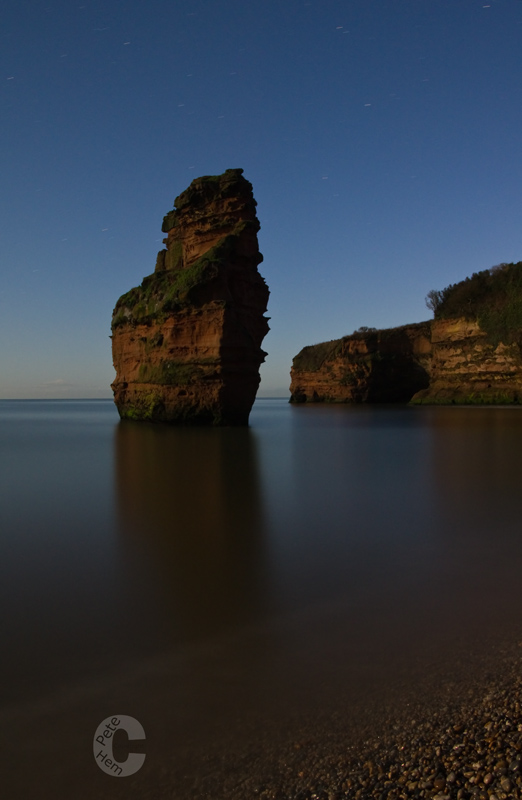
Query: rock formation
[(186, 344), (385, 366), (470, 353), (466, 368)]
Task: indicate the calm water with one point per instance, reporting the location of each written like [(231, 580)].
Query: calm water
[(243, 576)]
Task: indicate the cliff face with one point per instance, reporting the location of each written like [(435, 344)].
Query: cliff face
[(187, 343), (470, 353), (446, 361), (386, 366), (467, 368), (477, 339)]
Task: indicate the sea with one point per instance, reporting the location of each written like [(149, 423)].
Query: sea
[(232, 588)]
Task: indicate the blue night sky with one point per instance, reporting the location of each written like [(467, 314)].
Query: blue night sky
[(382, 138)]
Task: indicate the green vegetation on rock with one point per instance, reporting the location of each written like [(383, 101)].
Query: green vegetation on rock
[(169, 290), (174, 289), (175, 373), (151, 408), (170, 221), (311, 358), (174, 255), (492, 297), (485, 398), (148, 407)]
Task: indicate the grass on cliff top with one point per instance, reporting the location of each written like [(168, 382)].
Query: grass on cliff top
[(492, 297), (312, 358), (162, 292), (171, 290), (386, 333)]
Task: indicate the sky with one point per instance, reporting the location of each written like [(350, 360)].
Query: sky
[(382, 139)]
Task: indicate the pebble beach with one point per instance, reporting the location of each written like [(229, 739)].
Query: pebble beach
[(464, 742), (454, 733)]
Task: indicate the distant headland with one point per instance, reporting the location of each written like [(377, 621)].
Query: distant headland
[(470, 353)]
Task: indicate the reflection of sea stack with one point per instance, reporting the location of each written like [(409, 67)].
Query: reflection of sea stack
[(205, 553), (187, 343)]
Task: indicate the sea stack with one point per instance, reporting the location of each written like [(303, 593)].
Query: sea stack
[(186, 344)]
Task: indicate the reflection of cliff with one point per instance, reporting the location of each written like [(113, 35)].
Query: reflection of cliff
[(190, 516), (475, 458), (474, 455)]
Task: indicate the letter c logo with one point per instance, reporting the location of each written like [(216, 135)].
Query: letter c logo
[(102, 745)]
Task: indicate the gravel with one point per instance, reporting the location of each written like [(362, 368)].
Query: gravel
[(465, 742), (449, 728), (446, 739)]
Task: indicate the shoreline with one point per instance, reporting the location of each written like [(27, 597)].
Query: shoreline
[(463, 741), (453, 732)]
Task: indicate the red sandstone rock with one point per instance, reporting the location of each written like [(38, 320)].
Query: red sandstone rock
[(470, 353), (445, 361), (467, 368), (187, 343), (372, 366)]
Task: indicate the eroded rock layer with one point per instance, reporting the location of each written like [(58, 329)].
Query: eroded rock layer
[(470, 353), (445, 361), (187, 343), (477, 339), (467, 368), (385, 366)]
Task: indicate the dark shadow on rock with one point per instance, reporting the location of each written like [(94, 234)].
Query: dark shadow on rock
[(396, 378)]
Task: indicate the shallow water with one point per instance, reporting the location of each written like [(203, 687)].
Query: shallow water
[(253, 574)]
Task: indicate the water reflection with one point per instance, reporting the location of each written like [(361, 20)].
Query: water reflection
[(476, 475), (257, 584), (190, 526), (476, 465)]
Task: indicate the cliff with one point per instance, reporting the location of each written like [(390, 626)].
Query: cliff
[(385, 366), (470, 353), (466, 368), (186, 343)]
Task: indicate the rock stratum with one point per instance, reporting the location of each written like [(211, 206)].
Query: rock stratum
[(186, 343), (373, 366), (466, 368), (470, 353)]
